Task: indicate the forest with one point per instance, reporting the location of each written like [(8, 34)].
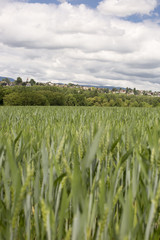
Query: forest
[(37, 95)]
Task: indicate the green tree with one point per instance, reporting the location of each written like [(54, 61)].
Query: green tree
[(24, 83), (135, 91), (32, 82), (54, 98), (25, 99), (13, 99), (106, 90), (6, 80), (118, 102), (18, 81), (133, 104), (90, 101), (80, 99), (127, 90), (144, 104), (111, 103), (70, 100), (2, 94), (114, 90)]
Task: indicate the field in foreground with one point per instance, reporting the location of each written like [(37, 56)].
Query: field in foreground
[(79, 173)]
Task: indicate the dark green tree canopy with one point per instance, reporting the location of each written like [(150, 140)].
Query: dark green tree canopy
[(32, 82), (18, 81)]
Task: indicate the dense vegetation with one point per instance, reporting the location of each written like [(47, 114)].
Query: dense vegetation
[(58, 96), (79, 173)]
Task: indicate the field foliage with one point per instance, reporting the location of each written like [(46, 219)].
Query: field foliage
[(72, 96), (79, 173)]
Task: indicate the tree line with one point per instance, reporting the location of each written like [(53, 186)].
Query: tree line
[(35, 95)]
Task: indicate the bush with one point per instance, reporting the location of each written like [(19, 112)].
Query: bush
[(25, 99)]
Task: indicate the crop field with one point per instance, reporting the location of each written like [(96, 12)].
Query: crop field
[(80, 173)]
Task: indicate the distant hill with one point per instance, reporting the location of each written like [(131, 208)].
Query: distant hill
[(11, 79), (109, 87)]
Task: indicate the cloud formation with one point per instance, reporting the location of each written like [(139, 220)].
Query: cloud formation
[(123, 8), (65, 43)]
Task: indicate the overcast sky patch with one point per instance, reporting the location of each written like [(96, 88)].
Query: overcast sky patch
[(114, 42)]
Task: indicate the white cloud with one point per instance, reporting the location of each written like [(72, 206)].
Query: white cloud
[(123, 8), (68, 43), (61, 1)]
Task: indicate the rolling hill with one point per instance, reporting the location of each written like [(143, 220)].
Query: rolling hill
[(11, 79)]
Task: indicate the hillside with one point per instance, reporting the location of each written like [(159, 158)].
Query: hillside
[(109, 87), (11, 79)]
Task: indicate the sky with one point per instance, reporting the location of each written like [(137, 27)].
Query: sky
[(103, 43), (88, 3)]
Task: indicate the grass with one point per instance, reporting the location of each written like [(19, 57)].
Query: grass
[(79, 173)]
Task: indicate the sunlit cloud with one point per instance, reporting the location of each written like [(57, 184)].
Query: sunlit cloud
[(66, 43)]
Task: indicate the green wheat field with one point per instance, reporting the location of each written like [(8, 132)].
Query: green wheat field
[(80, 173)]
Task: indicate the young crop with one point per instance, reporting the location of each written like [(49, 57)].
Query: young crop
[(79, 173)]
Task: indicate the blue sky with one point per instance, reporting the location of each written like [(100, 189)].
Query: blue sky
[(94, 3), (155, 15), (90, 3), (111, 42)]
